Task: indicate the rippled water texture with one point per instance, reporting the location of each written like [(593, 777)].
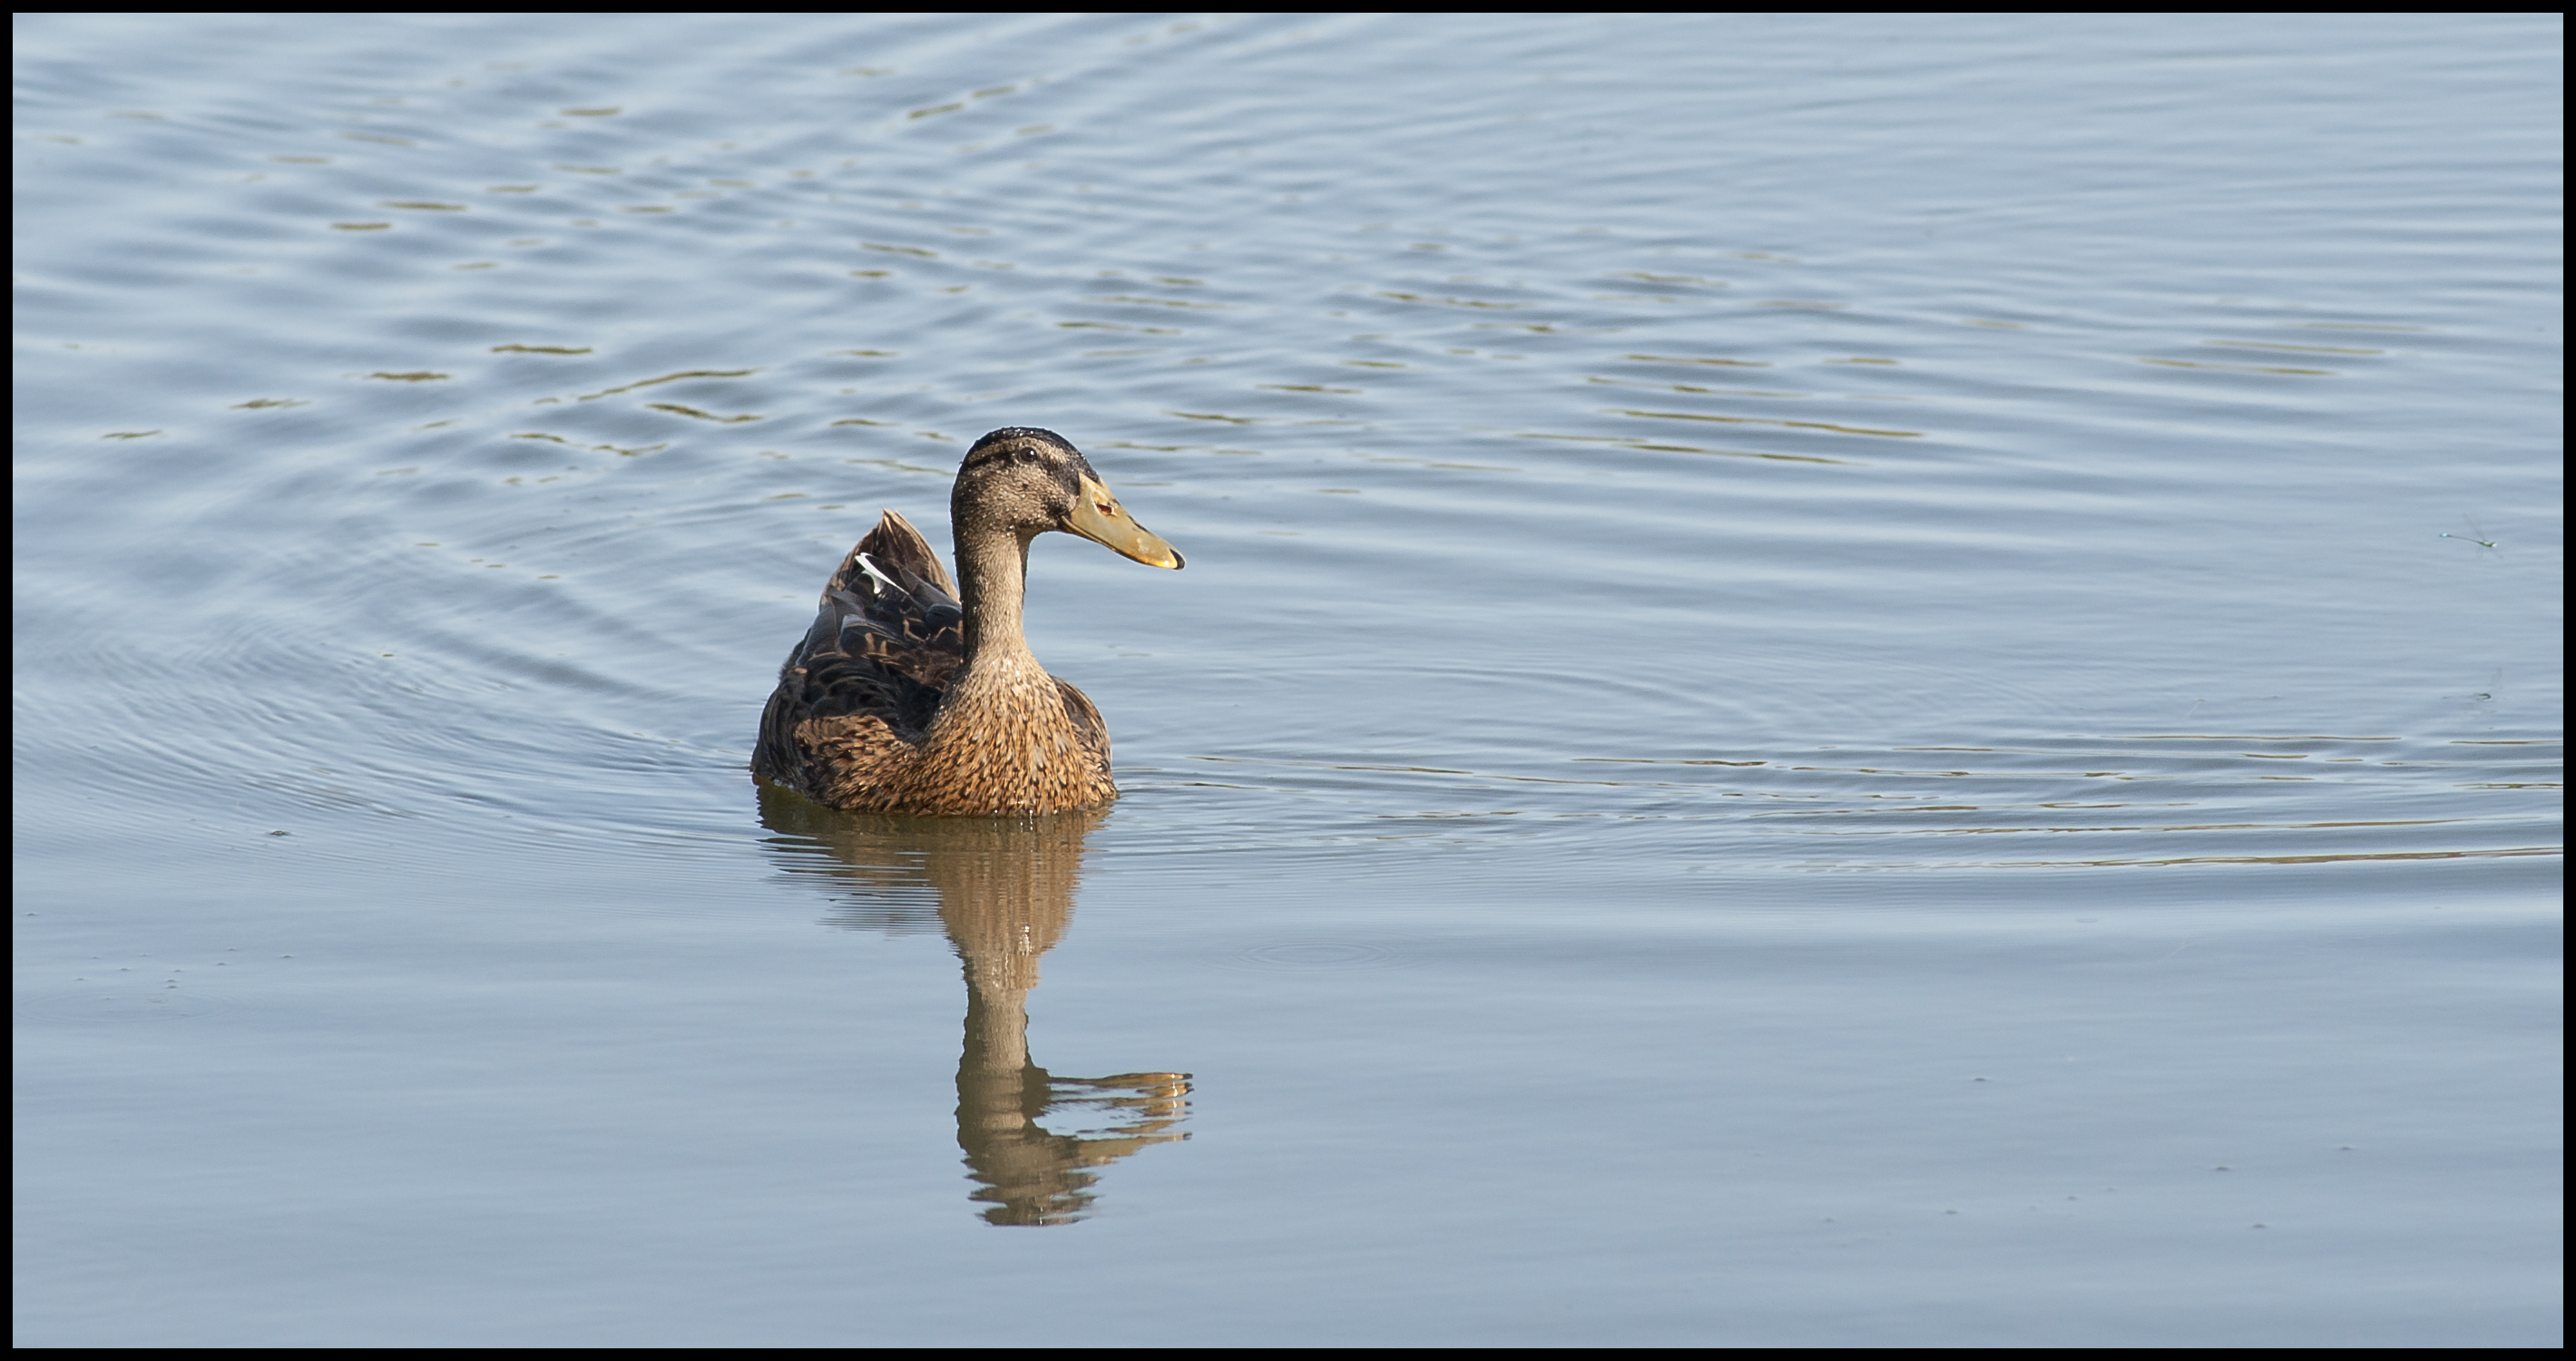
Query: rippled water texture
[(1840, 681)]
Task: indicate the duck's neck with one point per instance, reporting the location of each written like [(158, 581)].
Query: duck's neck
[(992, 570)]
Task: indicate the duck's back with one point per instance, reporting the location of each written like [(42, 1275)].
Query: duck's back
[(864, 684)]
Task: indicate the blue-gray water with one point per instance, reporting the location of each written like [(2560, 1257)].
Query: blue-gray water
[(1841, 681)]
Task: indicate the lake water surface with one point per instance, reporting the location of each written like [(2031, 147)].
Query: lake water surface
[(1840, 682)]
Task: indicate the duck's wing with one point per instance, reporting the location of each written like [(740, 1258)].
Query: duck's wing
[(1088, 727), (887, 637), (894, 544)]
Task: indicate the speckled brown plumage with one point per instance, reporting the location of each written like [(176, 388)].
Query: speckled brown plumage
[(908, 695)]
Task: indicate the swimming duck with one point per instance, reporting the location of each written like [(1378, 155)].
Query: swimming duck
[(909, 695)]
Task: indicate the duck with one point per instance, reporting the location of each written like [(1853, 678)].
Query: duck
[(913, 695)]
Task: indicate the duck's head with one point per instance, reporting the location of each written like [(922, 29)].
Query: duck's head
[(1026, 482)]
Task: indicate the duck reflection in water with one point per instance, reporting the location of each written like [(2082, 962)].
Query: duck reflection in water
[(1003, 889)]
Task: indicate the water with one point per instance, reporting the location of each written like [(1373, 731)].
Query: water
[(1841, 681)]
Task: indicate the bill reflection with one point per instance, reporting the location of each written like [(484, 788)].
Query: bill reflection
[(1002, 889)]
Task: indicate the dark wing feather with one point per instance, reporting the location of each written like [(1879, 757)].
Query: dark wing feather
[(883, 644), (893, 544), (1087, 723)]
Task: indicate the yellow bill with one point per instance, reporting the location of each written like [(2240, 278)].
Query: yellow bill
[(1097, 516)]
